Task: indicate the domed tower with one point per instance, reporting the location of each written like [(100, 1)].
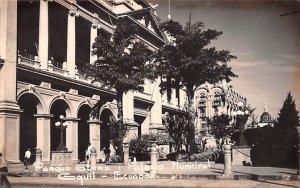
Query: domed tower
[(265, 118)]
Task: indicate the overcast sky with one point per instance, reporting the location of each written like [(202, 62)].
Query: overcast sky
[(266, 44)]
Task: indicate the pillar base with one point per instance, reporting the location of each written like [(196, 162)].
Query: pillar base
[(226, 176), (61, 158), (241, 155)]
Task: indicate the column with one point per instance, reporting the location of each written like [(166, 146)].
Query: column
[(43, 34), (153, 158), (173, 97), (72, 137), (145, 124), (227, 161), (9, 109), (156, 110), (126, 154), (210, 110), (43, 128), (182, 96), (95, 136), (128, 106), (93, 58), (71, 43)]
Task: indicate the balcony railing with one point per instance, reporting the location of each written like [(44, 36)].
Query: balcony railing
[(202, 100), (202, 115), (34, 63), (216, 103)]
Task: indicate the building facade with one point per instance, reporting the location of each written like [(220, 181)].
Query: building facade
[(216, 99), (44, 46)]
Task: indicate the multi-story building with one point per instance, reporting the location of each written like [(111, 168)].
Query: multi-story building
[(44, 45), (215, 99)]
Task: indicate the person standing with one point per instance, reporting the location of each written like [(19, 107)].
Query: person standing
[(107, 154), (3, 172), (88, 155), (27, 158)]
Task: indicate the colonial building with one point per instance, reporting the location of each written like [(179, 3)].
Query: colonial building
[(216, 99), (44, 45)]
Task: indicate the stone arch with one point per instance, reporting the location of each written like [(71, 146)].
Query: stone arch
[(69, 110), (202, 88), (31, 103), (83, 113), (85, 103), (40, 103), (60, 105), (106, 116), (108, 107)]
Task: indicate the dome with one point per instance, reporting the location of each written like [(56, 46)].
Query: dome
[(265, 118)]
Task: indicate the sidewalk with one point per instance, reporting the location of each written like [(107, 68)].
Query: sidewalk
[(165, 183), (165, 170)]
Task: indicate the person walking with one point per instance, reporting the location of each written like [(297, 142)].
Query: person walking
[(88, 155), (3, 173), (27, 159)]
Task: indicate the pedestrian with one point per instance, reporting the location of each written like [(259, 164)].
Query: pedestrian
[(27, 159), (107, 154), (88, 155), (3, 173)]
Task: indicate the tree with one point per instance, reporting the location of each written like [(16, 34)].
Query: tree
[(177, 127), (189, 61), (121, 64), (287, 121), (222, 127), (115, 139), (288, 116)]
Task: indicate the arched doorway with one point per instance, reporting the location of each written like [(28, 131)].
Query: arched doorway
[(28, 135), (83, 131), (106, 118), (59, 107)]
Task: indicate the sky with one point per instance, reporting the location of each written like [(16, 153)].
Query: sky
[(266, 44)]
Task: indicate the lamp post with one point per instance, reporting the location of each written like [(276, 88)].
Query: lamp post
[(62, 125), (240, 116)]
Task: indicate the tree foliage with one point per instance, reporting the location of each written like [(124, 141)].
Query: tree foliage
[(122, 59), (288, 116), (115, 127), (286, 132), (121, 64), (140, 147), (276, 146), (222, 127), (178, 129), (190, 61)]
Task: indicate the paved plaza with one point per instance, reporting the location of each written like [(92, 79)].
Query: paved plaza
[(168, 174), (54, 182)]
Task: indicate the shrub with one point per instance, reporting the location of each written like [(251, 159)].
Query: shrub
[(139, 147), (115, 159), (182, 155), (205, 155)]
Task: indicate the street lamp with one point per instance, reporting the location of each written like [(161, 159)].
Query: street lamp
[(62, 125), (241, 117)]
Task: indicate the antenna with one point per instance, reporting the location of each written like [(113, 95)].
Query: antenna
[(169, 15)]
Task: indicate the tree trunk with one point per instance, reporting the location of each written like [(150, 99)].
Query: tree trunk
[(120, 124), (191, 120)]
